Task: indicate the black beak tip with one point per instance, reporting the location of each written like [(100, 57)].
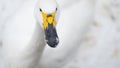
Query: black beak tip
[(53, 42), (52, 45), (51, 36)]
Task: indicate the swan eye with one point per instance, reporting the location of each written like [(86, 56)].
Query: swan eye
[(40, 10), (56, 9)]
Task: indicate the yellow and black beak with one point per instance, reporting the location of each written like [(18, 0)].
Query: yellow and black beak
[(49, 24)]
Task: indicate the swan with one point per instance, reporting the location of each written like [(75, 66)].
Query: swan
[(76, 17), (26, 33)]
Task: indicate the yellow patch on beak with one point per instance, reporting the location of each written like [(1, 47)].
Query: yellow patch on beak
[(49, 19)]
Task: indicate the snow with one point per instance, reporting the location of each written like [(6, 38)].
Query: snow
[(98, 43)]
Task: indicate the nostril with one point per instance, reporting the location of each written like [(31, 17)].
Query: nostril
[(57, 41)]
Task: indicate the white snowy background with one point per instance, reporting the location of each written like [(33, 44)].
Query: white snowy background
[(99, 48)]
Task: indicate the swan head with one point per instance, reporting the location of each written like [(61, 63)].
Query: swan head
[(46, 13)]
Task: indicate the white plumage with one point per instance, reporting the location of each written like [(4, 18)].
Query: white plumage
[(23, 37)]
